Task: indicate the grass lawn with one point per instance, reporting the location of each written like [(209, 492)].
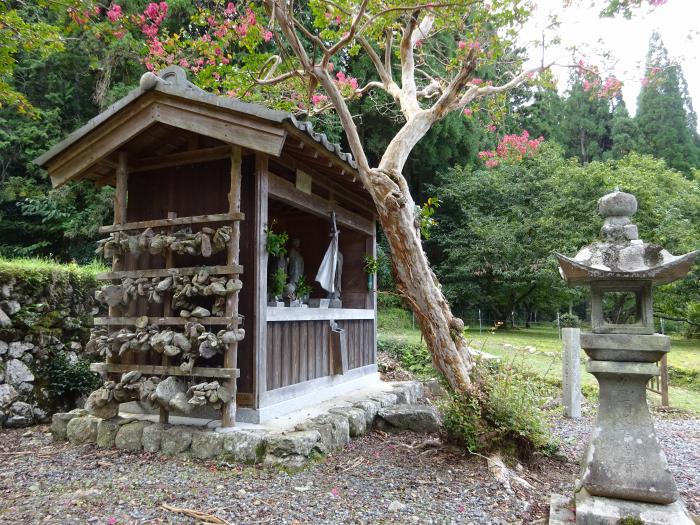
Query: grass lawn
[(546, 358)]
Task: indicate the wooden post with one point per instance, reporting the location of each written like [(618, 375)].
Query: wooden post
[(167, 312), (260, 219), (664, 381), (232, 257), (120, 206)]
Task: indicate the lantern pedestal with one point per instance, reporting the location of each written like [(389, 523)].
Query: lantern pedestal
[(624, 459)]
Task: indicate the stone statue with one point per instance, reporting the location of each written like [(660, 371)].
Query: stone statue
[(296, 263), (334, 296)]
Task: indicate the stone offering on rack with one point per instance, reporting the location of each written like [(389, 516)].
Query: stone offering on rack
[(205, 242)]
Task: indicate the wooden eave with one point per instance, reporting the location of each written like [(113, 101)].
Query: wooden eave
[(87, 157)]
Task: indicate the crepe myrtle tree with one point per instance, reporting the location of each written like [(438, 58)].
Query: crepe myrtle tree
[(294, 55)]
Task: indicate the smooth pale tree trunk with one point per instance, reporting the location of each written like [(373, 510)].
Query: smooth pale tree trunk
[(419, 286)]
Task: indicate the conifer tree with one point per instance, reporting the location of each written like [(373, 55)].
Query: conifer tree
[(665, 116), (625, 133)]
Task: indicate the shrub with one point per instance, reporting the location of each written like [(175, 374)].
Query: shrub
[(64, 380), (693, 314), (501, 412), (569, 321), (413, 357)]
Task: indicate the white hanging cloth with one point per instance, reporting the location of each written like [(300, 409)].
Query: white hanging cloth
[(329, 266)]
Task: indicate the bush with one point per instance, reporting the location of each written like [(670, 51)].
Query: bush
[(413, 357), (684, 378), (64, 380), (693, 315), (569, 321), (500, 413)]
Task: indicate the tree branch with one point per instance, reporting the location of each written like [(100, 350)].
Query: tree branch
[(348, 37)]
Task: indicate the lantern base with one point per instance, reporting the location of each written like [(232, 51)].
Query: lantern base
[(596, 510)]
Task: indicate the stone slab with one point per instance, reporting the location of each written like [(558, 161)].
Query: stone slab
[(595, 510), (561, 510)]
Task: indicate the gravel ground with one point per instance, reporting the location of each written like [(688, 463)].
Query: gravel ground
[(378, 479)]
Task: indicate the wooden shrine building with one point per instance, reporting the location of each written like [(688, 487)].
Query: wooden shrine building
[(182, 160)]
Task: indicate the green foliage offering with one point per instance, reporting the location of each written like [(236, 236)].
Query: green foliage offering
[(65, 380), (371, 265), (569, 321), (276, 242), (303, 289), (279, 279), (501, 413)]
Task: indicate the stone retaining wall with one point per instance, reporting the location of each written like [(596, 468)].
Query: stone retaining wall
[(45, 316), (397, 408)]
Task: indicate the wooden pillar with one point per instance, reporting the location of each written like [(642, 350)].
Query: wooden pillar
[(232, 258), (120, 206), (260, 219), (167, 312), (374, 292)]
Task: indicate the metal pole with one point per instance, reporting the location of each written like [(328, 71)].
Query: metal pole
[(479, 321)]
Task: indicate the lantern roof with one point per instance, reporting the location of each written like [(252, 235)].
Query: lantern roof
[(620, 255)]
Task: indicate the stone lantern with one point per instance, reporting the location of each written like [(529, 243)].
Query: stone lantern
[(624, 471)]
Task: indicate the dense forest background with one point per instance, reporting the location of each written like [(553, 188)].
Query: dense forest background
[(495, 227)]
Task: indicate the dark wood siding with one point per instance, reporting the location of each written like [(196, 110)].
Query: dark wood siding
[(196, 189), (298, 351)]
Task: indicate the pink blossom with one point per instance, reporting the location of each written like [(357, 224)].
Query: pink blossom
[(267, 35), (468, 112), (230, 9), (111, 520), (218, 51), (335, 492), (587, 85), (114, 13), (232, 93), (250, 16), (225, 60), (474, 45), (155, 47), (184, 63), (216, 76), (119, 34), (419, 43), (491, 128), (338, 20), (476, 81), (318, 99), (461, 44)]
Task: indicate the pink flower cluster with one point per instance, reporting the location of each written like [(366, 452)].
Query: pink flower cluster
[(152, 17), (512, 148), (318, 99), (344, 80), (114, 13)]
